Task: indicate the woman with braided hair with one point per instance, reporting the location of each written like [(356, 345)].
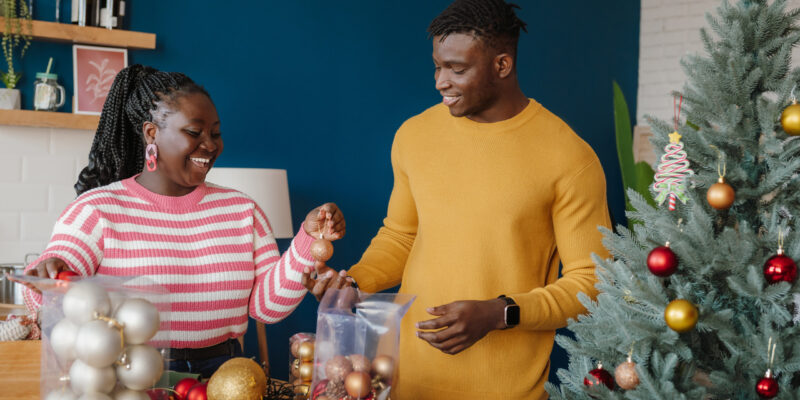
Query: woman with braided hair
[(144, 209)]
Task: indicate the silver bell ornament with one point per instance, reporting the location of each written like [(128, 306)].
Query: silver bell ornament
[(139, 319), (83, 300), (61, 394), (143, 367), (127, 394), (87, 379), (98, 343), (95, 396), (62, 340)]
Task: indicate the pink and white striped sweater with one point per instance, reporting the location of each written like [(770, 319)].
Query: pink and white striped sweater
[(213, 249)]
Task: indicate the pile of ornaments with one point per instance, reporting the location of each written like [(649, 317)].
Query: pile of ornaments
[(626, 376), (100, 345), (355, 377), (301, 363)]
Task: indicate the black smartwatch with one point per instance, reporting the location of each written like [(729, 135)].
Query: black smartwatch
[(511, 312)]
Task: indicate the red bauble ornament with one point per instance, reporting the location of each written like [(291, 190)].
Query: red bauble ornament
[(160, 394), (182, 387), (767, 387), (662, 261), (780, 268), (599, 376), (66, 275), (197, 392)]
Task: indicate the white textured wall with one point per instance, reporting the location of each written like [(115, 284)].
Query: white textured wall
[(38, 167), (669, 30)]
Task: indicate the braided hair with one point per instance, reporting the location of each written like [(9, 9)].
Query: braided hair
[(138, 94), (494, 21)]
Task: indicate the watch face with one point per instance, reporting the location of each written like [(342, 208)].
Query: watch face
[(512, 315)]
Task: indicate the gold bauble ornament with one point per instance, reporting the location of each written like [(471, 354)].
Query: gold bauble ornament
[(238, 378), (306, 351), (720, 195), (295, 368), (790, 119), (626, 375), (681, 315), (301, 389), (322, 250), (383, 367), (306, 371), (295, 347), (358, 384)]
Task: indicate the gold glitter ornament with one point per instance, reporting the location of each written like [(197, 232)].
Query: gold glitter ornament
[(626, 375), (337, 368), (306, 351), (322, 250), (360, 363), (238, 378)]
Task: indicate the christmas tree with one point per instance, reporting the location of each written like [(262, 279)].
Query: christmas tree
[(698, 302)]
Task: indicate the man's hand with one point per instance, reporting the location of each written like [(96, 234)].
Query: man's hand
[(462, 323)]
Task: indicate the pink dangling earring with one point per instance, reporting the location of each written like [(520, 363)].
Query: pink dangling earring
[(150, 154)]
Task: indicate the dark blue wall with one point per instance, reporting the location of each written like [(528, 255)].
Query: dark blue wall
[(319, 88)]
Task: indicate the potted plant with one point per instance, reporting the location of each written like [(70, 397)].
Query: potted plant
[(16, 37)]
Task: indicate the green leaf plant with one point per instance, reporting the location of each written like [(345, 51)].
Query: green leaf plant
[(635, 176), (16, 36)]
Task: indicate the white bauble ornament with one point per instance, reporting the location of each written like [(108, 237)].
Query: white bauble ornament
[(140, 320), (94, 396), (83, 300), (86, 379), (143, 368), (61, 394), (116, 299), (62, 340), (127, 394), (98, 344)]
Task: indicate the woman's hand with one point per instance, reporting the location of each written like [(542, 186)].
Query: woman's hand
[(326, 221), (327, 278), (48, 268)]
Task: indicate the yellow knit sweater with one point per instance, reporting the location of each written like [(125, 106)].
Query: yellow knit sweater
[(479, 210)]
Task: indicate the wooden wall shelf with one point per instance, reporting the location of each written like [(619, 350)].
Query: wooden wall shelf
[(53, 31), (49, 119)]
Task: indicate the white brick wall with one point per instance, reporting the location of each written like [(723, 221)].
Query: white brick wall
[(37, 169), (670, 29)]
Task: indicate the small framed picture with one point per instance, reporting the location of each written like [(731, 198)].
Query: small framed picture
[(94, 69)]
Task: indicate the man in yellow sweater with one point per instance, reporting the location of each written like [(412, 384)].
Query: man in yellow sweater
[(491, 192)]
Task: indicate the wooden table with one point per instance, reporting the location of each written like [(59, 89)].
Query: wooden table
[(20, 367)]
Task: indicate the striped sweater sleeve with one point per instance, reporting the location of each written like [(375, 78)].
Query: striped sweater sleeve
[(77, 240), (277, 289)]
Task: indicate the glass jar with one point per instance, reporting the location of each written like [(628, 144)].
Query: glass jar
[(48, 94)]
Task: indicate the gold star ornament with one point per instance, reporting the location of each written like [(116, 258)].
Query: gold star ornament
[(675, 137)]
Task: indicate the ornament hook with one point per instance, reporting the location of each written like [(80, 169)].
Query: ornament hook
[(794, 99), (722, 166)]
